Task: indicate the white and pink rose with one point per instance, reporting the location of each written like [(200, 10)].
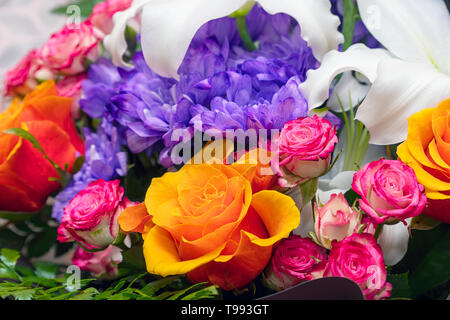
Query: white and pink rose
[(295, 260), (91, 216), (360, 259), (101, 263), (102, 15), (335, 220), (305, 148), (389, 191), (69, 50)]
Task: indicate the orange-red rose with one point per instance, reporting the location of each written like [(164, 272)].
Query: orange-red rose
[(24, 172)]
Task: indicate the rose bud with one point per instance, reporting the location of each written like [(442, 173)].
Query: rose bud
[(101, 263), (91, 216), (305, 148), (389, 191), (360, 259), (335, 220), (295, 260)]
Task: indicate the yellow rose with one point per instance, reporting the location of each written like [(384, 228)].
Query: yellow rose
[(427, 151)]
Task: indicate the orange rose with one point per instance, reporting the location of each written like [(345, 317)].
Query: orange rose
[(206, 222), (24, 172), (427, 151)]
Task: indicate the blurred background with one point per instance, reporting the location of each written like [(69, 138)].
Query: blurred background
[(25, 25)]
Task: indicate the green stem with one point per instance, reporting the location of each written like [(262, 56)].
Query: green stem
[(348, 23), (243, 32)]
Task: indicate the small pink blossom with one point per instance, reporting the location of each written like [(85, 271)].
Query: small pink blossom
[(70, 86), (69, 50), (102, 15), (389, 191), (335, 220), (295, 260), (305, 148), (101, 263), (359, 258), (91, 216)]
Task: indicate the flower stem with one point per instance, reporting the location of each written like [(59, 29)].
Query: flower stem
[(243, 32)]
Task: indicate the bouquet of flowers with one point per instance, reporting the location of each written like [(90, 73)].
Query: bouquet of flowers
[(207, 149)]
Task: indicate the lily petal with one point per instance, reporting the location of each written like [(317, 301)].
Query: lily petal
[(413, 30), (395, 97), (115, 42), (394, 242), (316, 88), (168, 26), (349, 88)]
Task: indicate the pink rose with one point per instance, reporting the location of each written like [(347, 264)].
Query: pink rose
[(101, 263), (305, 148), (295, 260), (359, 258), (91, 216), (335, 220), (70, 86), (69, 50), (20, 79), (389, 191), (102, 15)]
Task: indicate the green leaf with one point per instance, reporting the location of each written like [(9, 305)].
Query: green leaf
[(423, 222), (9, 257), (41, 243), (153, 287), (16, 216), (78, 164), (45, 270), (9, 239), (87, 294), (308, 190), (400, 285), (210, 292), (427, 259)]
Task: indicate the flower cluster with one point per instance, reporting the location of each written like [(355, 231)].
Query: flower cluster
[(204, 154), (66, 54)]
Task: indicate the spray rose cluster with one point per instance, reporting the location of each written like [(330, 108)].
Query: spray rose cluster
[(66, 54)]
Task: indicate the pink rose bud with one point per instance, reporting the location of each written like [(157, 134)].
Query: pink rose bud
[(69, 50), (21, 78), (335, 220), (102, 15), (359, 258), (389, 191), (91, 216), (305, 148), (295, 260), (101, 263)]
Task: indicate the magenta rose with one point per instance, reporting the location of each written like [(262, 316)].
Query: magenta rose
[(21, 78), (102, 15), (295, 260), (359, 258), (305, 148), (69, 50), (389, 191), (335, 220), (91, 216), (101, 263)]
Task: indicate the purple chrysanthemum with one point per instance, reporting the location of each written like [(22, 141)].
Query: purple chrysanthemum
[(103, 160), (221, 85)]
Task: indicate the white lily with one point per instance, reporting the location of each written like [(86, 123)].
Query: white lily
[(411, 75), (168, 27)]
